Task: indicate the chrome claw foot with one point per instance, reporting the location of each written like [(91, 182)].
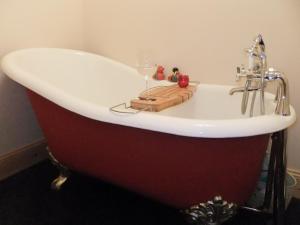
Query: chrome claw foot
[(63, 173), (58, 182), (213, 212)]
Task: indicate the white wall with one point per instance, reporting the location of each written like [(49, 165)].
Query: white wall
[(31, 23), (205, 38)]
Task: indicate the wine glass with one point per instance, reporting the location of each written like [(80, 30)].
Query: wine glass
[(145, 67)]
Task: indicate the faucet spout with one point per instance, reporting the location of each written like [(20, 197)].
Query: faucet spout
[(241, 89), (235, 90)]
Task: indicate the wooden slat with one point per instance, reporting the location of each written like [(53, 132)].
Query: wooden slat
[(160, 98)]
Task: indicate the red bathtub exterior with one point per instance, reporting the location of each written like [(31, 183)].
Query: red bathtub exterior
[(176, 170)]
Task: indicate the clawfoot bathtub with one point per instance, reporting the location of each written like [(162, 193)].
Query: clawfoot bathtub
[(180, 156)]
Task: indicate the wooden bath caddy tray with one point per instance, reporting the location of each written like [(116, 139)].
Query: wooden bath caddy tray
[(159, 98)]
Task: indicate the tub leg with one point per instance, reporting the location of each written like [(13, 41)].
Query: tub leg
[(64, 173), (279, 141), (276, 186), (213, 212)]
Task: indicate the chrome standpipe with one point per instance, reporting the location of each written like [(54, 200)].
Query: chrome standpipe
[(282, 93), (257, 76)]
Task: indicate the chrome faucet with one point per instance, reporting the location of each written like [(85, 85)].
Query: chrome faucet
[(257, 75)]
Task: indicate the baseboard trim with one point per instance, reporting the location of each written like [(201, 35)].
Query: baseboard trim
[(22, 158)]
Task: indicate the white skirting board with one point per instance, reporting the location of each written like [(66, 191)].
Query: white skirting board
[(22, 158), (295, 174)]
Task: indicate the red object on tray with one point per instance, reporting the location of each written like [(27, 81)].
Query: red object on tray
[(183, 80), (159, 75)]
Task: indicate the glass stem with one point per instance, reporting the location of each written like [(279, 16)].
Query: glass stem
[(147, 86)]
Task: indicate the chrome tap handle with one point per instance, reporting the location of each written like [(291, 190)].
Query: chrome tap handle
[(257, 47), (260, 42), (251, 51), (240, 72), (272, 74), (256, 55)]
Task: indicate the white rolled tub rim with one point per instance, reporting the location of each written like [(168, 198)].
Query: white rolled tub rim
[(221, 128)]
